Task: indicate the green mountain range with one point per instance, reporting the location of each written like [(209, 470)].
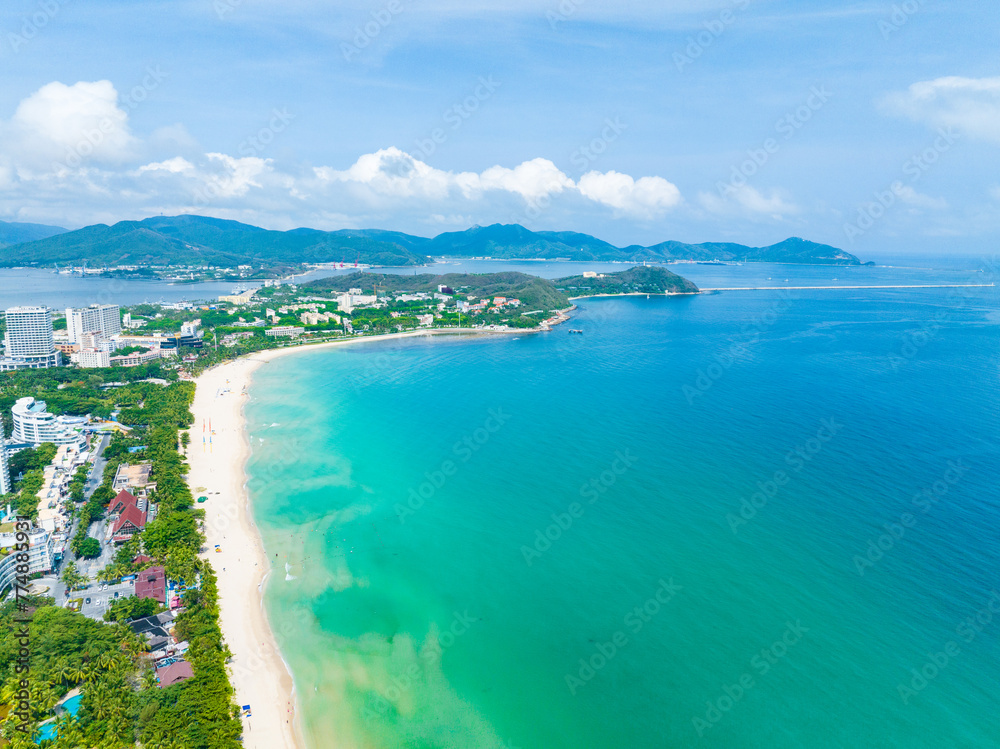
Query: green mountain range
[(199, 240)]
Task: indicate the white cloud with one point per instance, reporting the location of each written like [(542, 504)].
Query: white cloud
[(176, 165), (68, 125), (646, 197), (44, 169), (909, 196), (748, 200), (968, 104), (232, 177), (532, 180), (393, 173)]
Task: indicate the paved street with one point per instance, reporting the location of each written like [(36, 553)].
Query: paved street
[(101, 599), (99, 595), (91, 567)]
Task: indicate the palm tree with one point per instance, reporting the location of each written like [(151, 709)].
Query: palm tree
[(43, 696), (77, 673), (63, 670), (101, 702)]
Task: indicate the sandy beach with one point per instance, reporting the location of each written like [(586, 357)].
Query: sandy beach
[(217, 455)]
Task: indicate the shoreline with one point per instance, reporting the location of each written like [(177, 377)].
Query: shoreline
[(259, 674)]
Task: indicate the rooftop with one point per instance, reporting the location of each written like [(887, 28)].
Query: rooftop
[(152, 583), (174, 673)]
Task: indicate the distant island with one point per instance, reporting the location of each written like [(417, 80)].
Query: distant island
[(198, 247), (638, 280), (532, 292)]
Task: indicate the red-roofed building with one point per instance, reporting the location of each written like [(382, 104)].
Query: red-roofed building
[(121, 501), (174, 673), (142, 559), (131, 521), (152, 583)]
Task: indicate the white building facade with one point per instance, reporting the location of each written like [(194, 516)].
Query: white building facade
[(33, 424), (91, 358), (29, 340), (41, 556), (5, 481), (97, 318)]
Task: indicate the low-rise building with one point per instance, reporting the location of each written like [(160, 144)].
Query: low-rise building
[(135, 359), (91, 358), (232, 339), (319, 318), (132, 476), (285, 331), (152, 583), (129, 522), (243, 298), (173, 673)]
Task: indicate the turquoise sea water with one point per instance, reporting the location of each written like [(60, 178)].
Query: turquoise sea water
[(649, 535)]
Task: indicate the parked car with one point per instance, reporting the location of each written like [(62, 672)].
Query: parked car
[(116, 594), (87, 600)]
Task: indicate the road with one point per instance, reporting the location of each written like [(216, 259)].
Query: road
[(88, 566)]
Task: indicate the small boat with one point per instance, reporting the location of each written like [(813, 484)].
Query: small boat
[(573, 330)]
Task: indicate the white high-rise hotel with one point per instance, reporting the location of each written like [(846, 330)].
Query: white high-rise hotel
[(29, 342), (97, 318)]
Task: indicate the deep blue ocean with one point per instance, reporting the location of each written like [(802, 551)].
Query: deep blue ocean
[(734, 520)]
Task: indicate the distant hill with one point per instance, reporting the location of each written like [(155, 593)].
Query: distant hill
[(534, 292), (637, 280), (199, 240), (16, 232), (512, 241)]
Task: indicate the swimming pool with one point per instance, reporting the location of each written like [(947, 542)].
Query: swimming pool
[(47, 731)]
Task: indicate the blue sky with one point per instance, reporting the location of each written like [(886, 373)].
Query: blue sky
[(872, 126)]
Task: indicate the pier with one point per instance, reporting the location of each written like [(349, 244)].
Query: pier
[(897, 286)]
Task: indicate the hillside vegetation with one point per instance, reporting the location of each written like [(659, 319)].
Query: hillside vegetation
[(200, 240), (637, 280), (534, 292)]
